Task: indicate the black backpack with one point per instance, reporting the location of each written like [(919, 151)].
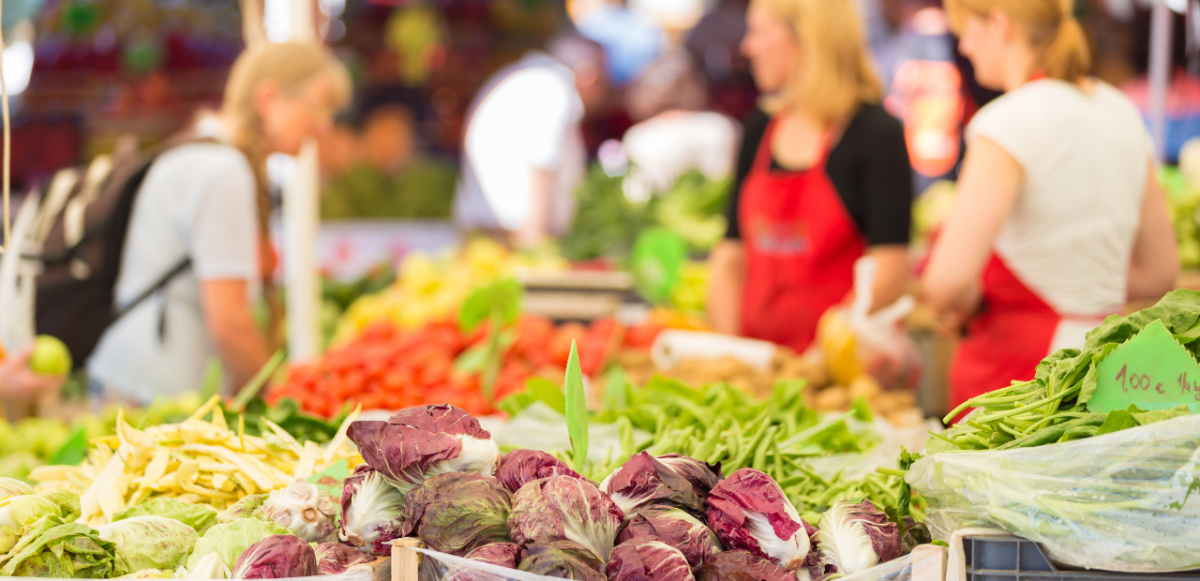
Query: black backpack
[(75, 236)]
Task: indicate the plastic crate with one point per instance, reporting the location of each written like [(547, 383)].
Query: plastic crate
[(1017, 559)]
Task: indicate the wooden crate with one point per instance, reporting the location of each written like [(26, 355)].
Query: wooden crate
[(380, 569), (406, 563)]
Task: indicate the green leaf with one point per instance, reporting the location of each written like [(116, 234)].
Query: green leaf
[(545, 391), (1091, 381), (73, 451), (862, 410), (513, 404), (214, 378), (250, 391), (1116, 421), (577, 420), (491, 360), (1147, 418), (616, 389), (331, 480), (504, 296), (658, 258)]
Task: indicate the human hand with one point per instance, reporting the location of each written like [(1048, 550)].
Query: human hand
[(18, 380)]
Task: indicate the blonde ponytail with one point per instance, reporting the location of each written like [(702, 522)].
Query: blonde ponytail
[(1066, 57), (292, 65), (1050, 25)]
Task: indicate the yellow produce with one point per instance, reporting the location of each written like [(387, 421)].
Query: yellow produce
[(431, 288), (835, 338), (193, 461)]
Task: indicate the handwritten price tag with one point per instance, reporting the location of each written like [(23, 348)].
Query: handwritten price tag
[(1151, 371)]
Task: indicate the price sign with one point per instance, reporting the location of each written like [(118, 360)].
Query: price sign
[(1151, 371)]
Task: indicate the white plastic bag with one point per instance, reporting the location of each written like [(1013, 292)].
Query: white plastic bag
[(855, 341), (1127, 501), (882, 345)]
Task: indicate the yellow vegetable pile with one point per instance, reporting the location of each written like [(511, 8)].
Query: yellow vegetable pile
[(193, 461), (432, 288)]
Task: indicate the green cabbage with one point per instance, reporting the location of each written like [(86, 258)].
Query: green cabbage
[(231, 539), (244, 508), (10, 487), (19, 514), (149, 542), (52, 548), (200, 517)]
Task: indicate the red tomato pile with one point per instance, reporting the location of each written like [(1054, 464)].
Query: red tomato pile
[(392, 369)]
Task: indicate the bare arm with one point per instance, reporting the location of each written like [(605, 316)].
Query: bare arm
[(18, 381), (537, 227), (727, 265), (891, 274), (1154, 265), (234, 331), (987, 192)]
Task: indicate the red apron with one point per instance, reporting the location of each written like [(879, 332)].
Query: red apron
[(1006, 341), (801, 245)]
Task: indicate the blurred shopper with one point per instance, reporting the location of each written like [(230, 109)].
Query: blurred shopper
[(18, 381), (822, 182), (207, 203), (675, 133), (1059, 220), (524, 151)]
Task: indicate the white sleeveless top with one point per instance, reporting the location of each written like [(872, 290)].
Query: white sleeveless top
[(1085, 155)]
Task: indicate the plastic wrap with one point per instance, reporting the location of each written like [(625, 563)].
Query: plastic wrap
[(1127, 501), (347, 576), (437, 566), (882, 346)]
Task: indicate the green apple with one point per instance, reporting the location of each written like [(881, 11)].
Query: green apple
[(50, 356)]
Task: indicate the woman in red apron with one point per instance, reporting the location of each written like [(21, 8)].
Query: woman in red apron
[(1059, 220), (822, 181)]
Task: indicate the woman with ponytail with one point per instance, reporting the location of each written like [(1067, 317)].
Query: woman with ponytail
[(1059, 220), (203, 210)]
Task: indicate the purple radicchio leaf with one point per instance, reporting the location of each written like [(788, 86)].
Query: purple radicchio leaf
[(856, 537), (742, 566), (702, 475), (458, 512), (644, 481), (403, 455), (442, 419), (749, 511), (277, 557), (372, 512), (647, 559), (336, 558), (562, 559), (562, 508), (520, 467), (677, 528), (505, 555)]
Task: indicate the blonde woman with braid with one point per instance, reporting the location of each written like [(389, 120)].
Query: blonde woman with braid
[(1059, 220), (203, 208)]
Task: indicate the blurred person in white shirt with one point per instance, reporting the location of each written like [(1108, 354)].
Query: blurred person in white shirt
[(524, 152), (675, 133)]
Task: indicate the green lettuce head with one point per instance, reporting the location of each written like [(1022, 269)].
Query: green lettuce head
[(59, 550), (10, 487), (19, 514), (149, 542), (231, 539), (68, 504), (200, 517), (244, 508)]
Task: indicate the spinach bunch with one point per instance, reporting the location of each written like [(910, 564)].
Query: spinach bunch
[(1053, 406)]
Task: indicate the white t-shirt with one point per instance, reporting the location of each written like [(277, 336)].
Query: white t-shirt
[(666, 146), (1085, 156), (197, 201), (529, 117)]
